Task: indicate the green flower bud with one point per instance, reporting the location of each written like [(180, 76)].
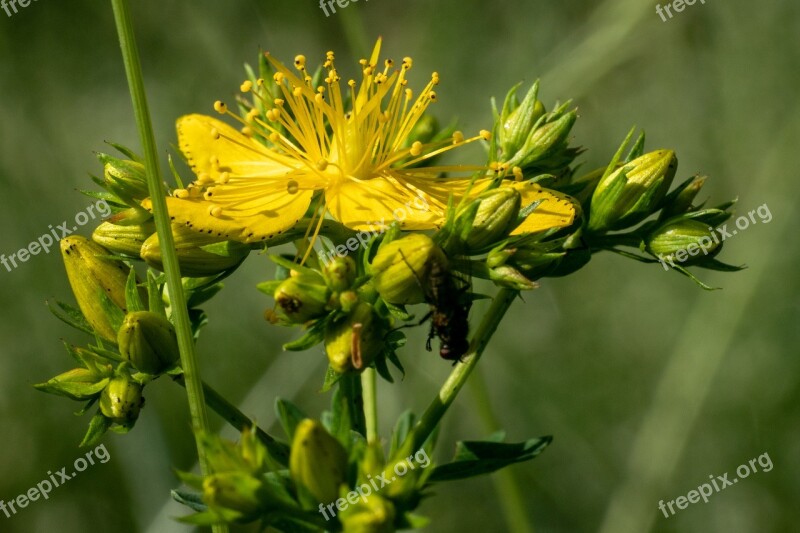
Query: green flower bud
[(199, 254), (548, 141), (126, 240), (683, 241), (353, 342), (340, 273), (376, 515), (89, 274), (121, 401), (496, 216), (148, 341), (318, 462), (124, 178), (240, 492), (347, 300), (400, 267), (299, 300), (517, 120), (632, 192)]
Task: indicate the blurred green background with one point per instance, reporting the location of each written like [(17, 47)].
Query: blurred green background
[(648, 384)]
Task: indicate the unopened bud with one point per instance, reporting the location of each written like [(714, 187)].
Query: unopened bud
[(340, 273), (496, 215), (299, 300), (318, 462), (148, 341), (124, 178), (121, 401), (199, 255), (90, 274), (373, 514), (126, 240), (353, 342), (631, 193), (401, 266), (235, 491), (683, 241)]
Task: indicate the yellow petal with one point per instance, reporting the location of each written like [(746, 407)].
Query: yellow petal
[(279, 212), (375, 203), (556, 210), (202, 138)]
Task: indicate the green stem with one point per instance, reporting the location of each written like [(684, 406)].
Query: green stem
[(194, 388), (505, 481), (369, 387), (458, 377), (231, 414)]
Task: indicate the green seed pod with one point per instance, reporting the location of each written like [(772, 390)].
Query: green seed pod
[(683, 241), (121, 401), (126, 240), (299, 300), (340, 273), (199, 254), (400, 268), (148, 341), (318, 462), (124, 178), (375, 515), (353, 342), (235, 491), (89, 273), (632, 192), (496, 216)]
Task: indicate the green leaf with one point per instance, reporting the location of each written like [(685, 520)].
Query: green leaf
[(115, 314), (312, 337), (474, 458), (401, 430), (331, 378), (71, 316), (289, 416), (132, 299), (155, 300), (97, 428), (269, 287), (191, 500)]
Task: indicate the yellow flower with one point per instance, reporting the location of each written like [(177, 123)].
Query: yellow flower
[(355, 153)]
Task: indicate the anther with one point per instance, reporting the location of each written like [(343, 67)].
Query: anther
[(292, 187), (220, 107), (246, 86)]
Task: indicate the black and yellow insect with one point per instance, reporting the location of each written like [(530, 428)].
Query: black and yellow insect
[(450, 301)]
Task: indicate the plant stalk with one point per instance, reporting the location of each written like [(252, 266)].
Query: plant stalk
[(369, 387), (458, 377), (194, 388)]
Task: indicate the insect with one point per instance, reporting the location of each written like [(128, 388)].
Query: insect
[(449, 300)]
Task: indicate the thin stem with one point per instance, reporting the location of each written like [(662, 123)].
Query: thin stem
[(505, 480), (194, 388), (458, 377), (237, 419), (369, 387)]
